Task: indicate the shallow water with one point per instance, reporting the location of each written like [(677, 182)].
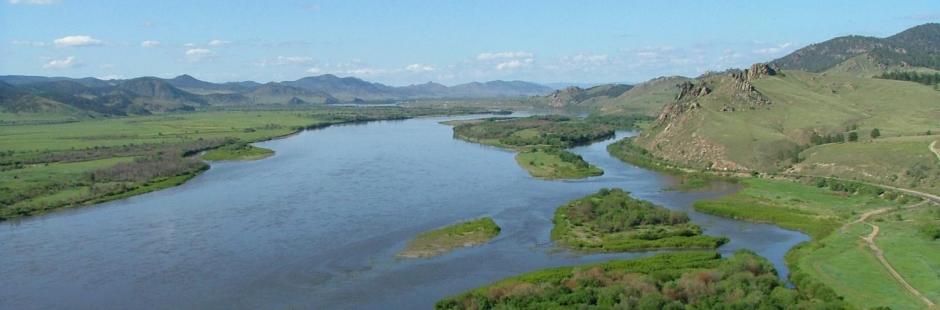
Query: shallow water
[(318, 224)]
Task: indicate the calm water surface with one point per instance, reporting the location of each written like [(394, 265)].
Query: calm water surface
[(318, 224)]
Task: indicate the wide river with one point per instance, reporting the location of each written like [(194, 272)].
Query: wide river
[(318, 225)]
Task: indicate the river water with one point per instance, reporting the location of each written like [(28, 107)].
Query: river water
[(318, 225)]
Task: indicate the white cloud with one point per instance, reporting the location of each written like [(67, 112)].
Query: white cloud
[(773, 50), (198, 54), (513, 64), (72, 41), (503, 55), (419, 68), (507, 60), (287, 61), (150, 43), (315, 70), (58, 64), (365, 71), (37, 2), (586, 59), (218, 42)]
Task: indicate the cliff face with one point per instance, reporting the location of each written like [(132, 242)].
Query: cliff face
[(677, 134)]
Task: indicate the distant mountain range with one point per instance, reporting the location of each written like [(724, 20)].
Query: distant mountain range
[(146, 95)]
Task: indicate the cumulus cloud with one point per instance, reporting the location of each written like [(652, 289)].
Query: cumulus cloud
[(503, 55), (419, 68), (36, 2), (58, 64), (198, 54), (513, 64), (74, 41), (507, 60), (150, 43), (218, 42), (586, 59)]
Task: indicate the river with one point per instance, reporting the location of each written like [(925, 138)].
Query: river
[(318, 224)]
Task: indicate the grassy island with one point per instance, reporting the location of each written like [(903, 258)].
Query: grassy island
[(522, 133), (610, 220), (449, 238), (540, 141), (553, 163), (686, 280), (238, 151)]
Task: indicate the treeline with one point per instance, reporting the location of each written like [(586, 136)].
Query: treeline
[(912, 76), (858, 188), (619, 121), (693, 280)]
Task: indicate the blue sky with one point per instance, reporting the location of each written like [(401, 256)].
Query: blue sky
[(404, 42)]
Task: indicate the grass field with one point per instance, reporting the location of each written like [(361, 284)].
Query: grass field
[(451, 237), (838, 258), (816, 211), (556, 164), (899, 161)]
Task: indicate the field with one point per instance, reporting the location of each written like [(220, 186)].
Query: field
[(451, 237), (845, 255), (899, 161), (611, 221), (837, 215), (685, 280), (556, 164)]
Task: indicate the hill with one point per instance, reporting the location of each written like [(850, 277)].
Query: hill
[(763, 120), (917, 47), (89, 97)]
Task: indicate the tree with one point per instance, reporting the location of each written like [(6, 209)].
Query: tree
[(853, 136), (839, 138), (875, 133)]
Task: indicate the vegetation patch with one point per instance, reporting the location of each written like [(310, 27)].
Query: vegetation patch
[(685, 280), (521, 133), (448, 238), (553, 163), (610, 220), (238, 151), (688, 179)]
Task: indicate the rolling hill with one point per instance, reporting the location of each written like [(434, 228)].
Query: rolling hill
[(146, 95), (916, 48)]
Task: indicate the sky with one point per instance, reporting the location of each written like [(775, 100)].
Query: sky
[(408, 42)]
